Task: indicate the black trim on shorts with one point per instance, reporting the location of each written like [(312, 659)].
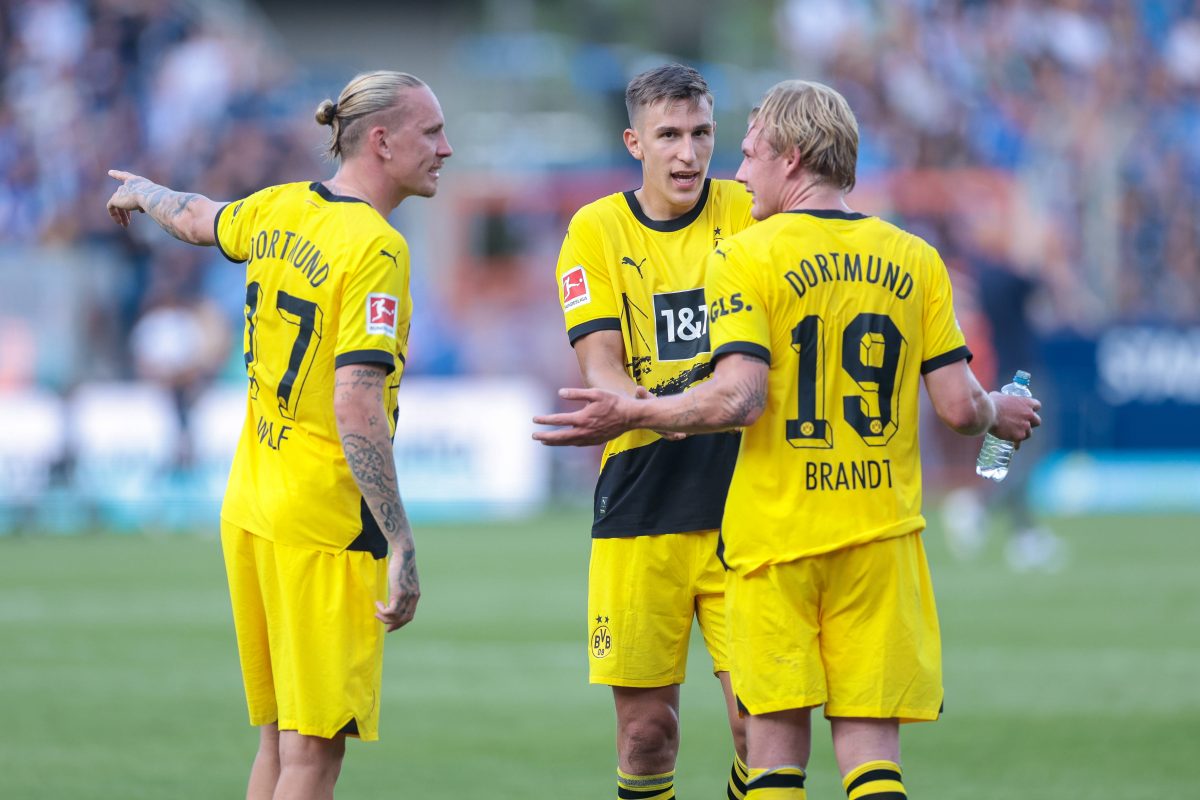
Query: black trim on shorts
[(668, 225), (217, 239), (665, 487), (350, 728), (591, 326), (937, 362), (371, 540), (381, 357), (745, 348)]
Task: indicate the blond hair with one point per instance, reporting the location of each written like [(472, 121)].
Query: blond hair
[(364, 95), (815, 120)]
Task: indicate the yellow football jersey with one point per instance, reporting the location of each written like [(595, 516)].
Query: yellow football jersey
[(326, 286), (849, 311), (620, 270)]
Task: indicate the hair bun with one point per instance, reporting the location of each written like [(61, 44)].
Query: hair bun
[(326, 112)]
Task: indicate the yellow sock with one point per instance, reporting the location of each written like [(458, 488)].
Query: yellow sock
[(875, 780), (738, 774), (645, 787), (781, 783)]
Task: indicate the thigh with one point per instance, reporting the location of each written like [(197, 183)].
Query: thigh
[(879, 637), (248, 559), (774, 624), (640, 609), (329, 671), (708, 588)]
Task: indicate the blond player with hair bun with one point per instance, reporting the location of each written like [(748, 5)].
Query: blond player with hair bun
[(312, 504)]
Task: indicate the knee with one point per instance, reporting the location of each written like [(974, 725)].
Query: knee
[(650, 741), (312, 753)]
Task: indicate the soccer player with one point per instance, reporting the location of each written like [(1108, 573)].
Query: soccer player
[(312, 502), (822, 319), (630, 279)]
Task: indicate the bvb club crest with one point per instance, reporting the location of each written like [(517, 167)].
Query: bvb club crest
[(601, 638)]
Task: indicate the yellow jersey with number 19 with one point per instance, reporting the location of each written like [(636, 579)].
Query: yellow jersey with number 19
[(849, 311), (326, 286)]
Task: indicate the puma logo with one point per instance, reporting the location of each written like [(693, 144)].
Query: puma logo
[(635, 264), (395, 262)]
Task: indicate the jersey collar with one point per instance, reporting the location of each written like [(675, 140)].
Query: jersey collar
[(668, 225), (325, 194), (828, 213)]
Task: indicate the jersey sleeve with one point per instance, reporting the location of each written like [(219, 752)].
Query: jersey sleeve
[(234, 225), (944, 340), (736, 312), (375, 306), (585, 289)]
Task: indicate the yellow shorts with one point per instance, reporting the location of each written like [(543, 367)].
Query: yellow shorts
[(310, 646), (855, 630), (643, 592)]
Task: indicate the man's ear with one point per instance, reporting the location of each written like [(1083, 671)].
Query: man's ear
[(632, 143), (792, 164), (377, 141)]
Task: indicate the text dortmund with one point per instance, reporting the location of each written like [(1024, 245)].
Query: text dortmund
[(823, 268), (292, 248)]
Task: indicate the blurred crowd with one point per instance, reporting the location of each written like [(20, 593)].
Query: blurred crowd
[(1093, 107), (186, 93), (1082, 114)]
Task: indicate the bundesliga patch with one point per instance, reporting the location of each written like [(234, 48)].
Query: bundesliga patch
[(575, 289), (381, 314)]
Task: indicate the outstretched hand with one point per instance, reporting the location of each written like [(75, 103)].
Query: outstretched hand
[(605, 417), (1016, 417), (124, 200)]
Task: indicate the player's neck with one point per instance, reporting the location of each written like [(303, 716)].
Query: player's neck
[(350, 181), (659, 208), (810, 196)]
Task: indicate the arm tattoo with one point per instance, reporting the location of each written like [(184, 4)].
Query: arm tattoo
[(369, 466), (165, 206), (745, 398)]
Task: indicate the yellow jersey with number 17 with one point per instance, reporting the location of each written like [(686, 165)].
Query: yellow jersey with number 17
[(326, 286), (849, 311)]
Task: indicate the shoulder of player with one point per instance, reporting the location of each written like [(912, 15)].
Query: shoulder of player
[(602, 212)]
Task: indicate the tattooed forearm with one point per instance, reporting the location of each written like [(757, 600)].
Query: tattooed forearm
[(371, 469), (170, 209), (746, 400)]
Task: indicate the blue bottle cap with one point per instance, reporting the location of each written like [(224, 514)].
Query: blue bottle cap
[(1022, 377)]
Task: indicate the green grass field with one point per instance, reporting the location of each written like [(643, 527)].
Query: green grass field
[(118, 674)]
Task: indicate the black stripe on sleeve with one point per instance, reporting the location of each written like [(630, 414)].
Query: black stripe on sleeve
[(873, 775), (591, 326), (217, 238), (937, 362), (746, 348), (381, 357)]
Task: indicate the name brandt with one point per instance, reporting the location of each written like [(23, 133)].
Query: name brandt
[(866, 474), (269, 436)]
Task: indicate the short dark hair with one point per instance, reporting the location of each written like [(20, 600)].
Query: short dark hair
[(668, 82)]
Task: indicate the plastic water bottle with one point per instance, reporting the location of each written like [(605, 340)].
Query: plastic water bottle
[(996, 453)]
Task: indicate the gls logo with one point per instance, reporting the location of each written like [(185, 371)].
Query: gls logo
[(681, 324)]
